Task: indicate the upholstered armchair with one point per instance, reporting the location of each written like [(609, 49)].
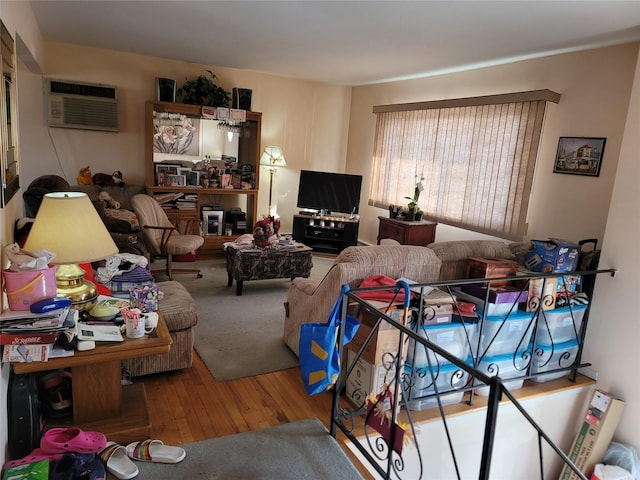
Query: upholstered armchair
[(308, 301)]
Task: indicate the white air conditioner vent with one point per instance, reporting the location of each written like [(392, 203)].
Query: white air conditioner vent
[(81, 105)]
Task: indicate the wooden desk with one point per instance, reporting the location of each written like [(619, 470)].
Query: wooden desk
[(420, 233), (98, 395)]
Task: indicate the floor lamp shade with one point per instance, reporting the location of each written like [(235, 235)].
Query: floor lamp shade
[(273, 158)]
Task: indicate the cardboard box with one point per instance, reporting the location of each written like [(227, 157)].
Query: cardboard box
[(384, 340), (365, 378), (437, 314), (29, 471), (552, 255), (478, 267), (536, 296), (594, 435)]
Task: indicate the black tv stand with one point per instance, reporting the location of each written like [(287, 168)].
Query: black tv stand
[(330, 234)]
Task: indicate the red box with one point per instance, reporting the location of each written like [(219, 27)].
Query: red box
[(478, 267)]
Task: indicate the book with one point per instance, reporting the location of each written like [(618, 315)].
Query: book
[(35, 338)]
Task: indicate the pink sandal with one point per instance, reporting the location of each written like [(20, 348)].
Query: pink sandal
[(62, 440)]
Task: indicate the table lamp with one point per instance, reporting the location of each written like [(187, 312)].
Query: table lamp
[(273, 158), (68, 225)]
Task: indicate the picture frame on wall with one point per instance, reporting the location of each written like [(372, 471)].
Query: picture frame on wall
[(579, 156)]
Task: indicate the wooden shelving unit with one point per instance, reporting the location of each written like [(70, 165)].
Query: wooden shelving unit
[(248, 154)]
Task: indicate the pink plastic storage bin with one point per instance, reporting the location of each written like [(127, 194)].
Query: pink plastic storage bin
[(25, 288)]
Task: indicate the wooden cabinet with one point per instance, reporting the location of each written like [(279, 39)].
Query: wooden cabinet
[(421, 232), (325, 234), (243, 195)]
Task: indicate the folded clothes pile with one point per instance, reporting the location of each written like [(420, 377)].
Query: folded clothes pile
[(120, 285), (123, 271)]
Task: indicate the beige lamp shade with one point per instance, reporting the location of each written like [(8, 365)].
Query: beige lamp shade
[(272, 157), (68, 225)]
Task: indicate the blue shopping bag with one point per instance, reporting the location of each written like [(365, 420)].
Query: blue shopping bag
[(319, 356)]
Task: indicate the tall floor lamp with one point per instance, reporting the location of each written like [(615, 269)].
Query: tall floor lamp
[(272, 158)]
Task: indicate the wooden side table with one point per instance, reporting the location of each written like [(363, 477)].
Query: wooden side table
[(100, 403), (421, 232)]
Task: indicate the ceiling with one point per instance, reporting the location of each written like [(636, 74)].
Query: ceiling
[(342, 42)]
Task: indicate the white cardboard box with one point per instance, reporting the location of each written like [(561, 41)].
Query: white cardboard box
[(365, 378)]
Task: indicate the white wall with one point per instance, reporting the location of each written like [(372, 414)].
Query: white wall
[(557, 414), (594, 85), (614, 328), (309, 120)]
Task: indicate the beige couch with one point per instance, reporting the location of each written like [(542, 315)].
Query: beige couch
[(308, 301)]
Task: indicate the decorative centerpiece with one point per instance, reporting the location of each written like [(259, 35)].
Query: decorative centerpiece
[(265, 231)]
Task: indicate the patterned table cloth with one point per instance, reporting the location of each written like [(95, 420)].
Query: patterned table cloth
[(250, 263)]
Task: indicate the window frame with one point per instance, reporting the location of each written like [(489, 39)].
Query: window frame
[(458, 131)]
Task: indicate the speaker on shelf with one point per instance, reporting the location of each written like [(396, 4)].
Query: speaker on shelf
[(165, 89), (242, 98)]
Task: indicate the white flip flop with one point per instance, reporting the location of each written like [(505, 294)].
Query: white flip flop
[(117, 461), (155, 451)]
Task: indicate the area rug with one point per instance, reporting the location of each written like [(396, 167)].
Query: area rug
[(301, 450), (241, 336)]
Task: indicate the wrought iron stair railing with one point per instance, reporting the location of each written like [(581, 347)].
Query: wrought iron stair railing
[(382, 420)]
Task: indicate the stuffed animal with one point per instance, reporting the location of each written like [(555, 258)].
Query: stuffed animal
[(104, 179), (84, 177), (108, 201)]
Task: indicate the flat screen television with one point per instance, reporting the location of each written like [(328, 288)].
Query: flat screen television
[(335, 192)]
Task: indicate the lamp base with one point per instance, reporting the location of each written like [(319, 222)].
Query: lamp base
[(71, 283)]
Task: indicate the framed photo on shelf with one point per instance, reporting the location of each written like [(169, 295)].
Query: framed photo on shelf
[(167, 168), (175, 180), (579, 156), (212, 222)]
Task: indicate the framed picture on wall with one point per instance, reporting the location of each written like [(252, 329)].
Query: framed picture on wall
[(579, 155)]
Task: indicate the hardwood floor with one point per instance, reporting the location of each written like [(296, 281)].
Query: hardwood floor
[(189, 405)]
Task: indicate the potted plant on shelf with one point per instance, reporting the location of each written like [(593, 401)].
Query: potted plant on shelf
[(412, 206), (204, 91)]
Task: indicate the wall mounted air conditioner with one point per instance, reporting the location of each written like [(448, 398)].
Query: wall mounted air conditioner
[(81, 105)]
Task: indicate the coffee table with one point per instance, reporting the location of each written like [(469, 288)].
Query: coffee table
[(100, 402), (251, 263)]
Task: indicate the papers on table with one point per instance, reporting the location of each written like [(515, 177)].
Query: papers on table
[(27, 322), (99, 333)]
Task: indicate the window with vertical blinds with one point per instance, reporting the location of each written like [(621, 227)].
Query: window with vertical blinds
[(475, 157)]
